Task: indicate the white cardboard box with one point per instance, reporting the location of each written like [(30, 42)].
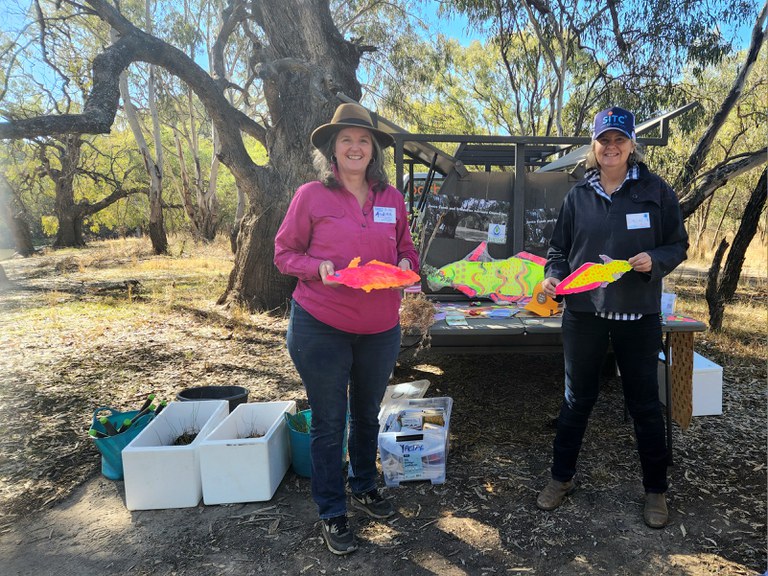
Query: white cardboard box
[(236, 468), (414, 455), (159, 475), (707, 386)]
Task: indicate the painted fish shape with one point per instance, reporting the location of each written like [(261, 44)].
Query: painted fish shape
[(591, 275), (374, 275), (508, 280)]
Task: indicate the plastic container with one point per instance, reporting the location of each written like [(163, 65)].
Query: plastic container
[(301, 458), (160, 474), (414, 454), (111, 447), (235, 395), (245, 458)]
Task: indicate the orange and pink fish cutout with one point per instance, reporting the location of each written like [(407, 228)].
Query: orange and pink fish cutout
[(374, 275), (591, 275)]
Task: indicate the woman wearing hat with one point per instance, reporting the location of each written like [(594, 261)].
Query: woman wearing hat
[(344, 342), (622, 210)]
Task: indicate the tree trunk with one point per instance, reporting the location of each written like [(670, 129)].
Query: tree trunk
[(254, 281), (239, 215), (4, 282), (68, 212), (208, 200), (720, 290), (714, 303), (314, 63), (153, 166), (12, 212)]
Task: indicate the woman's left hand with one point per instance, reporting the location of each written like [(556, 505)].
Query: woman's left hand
[(641, 262), (405, 264)]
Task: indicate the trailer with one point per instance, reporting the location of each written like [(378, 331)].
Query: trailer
[(502, 190)]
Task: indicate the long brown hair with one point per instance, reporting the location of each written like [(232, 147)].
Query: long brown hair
[(324, 160)]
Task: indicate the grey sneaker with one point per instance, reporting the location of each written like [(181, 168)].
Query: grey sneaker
[(337, 535), (373, 504)]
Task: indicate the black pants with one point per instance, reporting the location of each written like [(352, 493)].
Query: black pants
[(636, 344)]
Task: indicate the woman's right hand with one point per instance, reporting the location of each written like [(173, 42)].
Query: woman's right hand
[(326, 271), (548, 285)]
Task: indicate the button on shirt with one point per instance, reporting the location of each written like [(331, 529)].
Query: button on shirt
[(329, 224)]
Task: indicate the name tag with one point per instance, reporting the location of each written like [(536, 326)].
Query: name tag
[(384, 214), (638, 221)]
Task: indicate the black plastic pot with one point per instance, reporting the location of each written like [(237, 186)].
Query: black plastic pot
[(234, 394)]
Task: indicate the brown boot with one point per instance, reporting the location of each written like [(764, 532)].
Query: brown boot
[(655, 511), (553, 494)]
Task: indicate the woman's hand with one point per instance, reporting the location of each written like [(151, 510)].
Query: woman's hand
[(404, 264), (641, 262), (326, 271), (548, 285)]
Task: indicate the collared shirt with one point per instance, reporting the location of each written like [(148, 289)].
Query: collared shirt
[(593, 178), (328, 224)]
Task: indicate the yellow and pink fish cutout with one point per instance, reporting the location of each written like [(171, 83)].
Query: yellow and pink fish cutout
[(374, 275), (591, 275)]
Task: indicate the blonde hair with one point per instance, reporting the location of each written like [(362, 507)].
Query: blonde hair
[(635, 157), (323, 160)]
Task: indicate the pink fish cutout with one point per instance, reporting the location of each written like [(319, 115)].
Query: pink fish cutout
[(591, 275), (374, 275)]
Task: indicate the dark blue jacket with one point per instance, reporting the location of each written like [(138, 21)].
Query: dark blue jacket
[(589, 225)]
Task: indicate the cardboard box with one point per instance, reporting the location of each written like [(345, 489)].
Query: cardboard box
[(396, 393), (237, 468), (413, 447), (707, 386), (160, 475)]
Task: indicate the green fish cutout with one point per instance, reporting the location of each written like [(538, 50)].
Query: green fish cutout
[(507, 280)]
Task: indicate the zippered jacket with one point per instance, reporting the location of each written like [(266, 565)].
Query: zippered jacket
[(643, 215)]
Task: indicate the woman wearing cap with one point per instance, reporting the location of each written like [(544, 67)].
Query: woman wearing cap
[(622, 210), (340, 339)]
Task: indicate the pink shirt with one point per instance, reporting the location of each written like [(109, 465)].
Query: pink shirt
[(324, 224)]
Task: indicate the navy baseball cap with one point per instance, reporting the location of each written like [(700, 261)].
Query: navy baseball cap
[(614, 119)]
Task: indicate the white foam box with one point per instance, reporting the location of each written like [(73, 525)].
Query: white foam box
[(236, 467), (414, 455), (707, 386), (160, 475)]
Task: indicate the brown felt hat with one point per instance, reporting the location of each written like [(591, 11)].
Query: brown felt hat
[(349, 116)]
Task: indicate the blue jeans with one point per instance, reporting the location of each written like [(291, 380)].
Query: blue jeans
[(636, 344), (330, 362)]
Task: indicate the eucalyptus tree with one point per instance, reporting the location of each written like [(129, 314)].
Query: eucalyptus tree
[(297, 60), (193, 29), (641, 45), (46, 63)]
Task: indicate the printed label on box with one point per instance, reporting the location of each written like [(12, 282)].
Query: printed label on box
[(413, 467)]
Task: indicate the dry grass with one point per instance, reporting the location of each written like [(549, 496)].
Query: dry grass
[(75, 334)]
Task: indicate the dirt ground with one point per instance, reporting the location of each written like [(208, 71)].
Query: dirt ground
[(58, 515)]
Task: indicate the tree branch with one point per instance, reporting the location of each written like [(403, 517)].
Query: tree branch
[(718, 177), (685, 179), (102, 103)]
